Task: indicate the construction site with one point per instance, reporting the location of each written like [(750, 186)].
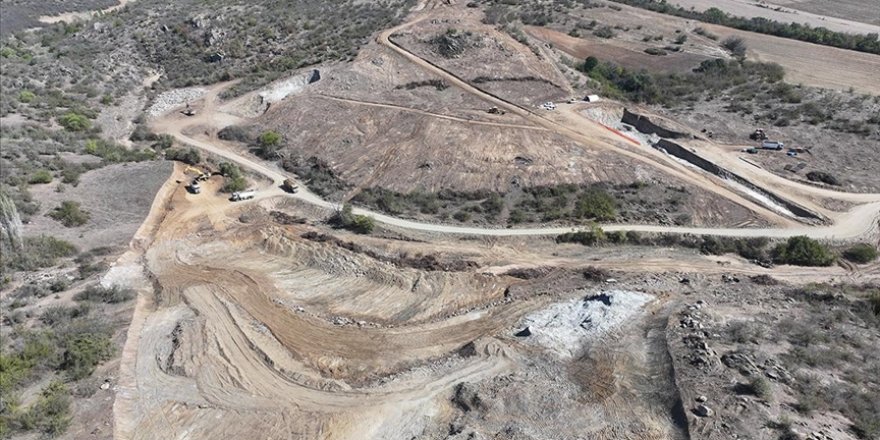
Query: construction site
[(280, 295)]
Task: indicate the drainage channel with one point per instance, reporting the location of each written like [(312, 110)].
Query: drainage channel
[(739, 183)]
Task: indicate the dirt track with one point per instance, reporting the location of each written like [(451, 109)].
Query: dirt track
[(245, 329)]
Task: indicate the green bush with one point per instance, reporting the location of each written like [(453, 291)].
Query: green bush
[(26, 96), (115, 153), (70, 214), (346, 219), (83, 353), (40, 177), (596, 204), (51, 412), (73, 121), (189, 156), (861, 253), (802, 251), (268, 144), (594, 235), (109, 295)]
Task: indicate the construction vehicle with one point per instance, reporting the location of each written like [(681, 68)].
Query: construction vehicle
[(758, 135), (772, 145), (496, 111), (188, 110), (290, 186), (201, 176), (243, 195), (194, 187)]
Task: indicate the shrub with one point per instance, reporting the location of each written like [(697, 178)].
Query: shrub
[(268, 144), (73, 121), (802, 251), (83, 352), (109, 295), (37, 252), (70, 214), (40, 177), (235, 181), (51, 412), (761, 387), (113, 152), (346, 219), (592, 236), (590, 63), (861, 253), (189, 156), (735, 45), (604, 32), (596, 204), (26, 96)]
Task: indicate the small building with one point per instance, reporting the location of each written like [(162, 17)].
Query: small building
[(592, 98)]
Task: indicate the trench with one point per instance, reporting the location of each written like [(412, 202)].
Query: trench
[(743, 185)]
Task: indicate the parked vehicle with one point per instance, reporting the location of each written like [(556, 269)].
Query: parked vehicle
[(243, 195)]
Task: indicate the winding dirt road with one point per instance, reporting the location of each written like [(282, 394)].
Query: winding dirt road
[(860, 222)]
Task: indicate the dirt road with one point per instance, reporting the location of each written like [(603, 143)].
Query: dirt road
[(861, 221)]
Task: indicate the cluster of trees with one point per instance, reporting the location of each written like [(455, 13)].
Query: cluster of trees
[(711, 76), (819, 35), (235, 180), (346, 219)]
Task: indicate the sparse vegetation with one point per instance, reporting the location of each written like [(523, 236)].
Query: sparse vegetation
[(189, 156), (861, 253), (109, 295), (735, 45), (70, 214), (819, 35)]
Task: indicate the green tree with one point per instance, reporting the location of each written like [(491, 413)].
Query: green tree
[(802, 251), (597, 205), (268, 144), (590, 63)]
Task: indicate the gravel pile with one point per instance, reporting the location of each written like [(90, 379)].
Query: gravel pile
[(173, 98), (567, 327)]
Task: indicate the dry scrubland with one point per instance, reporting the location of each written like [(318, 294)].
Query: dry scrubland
[(133, 307)]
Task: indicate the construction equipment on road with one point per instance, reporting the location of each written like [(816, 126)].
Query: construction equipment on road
[(549, 105), (188, 111), (496, 111), (290, 186), (194, 187), (758, 135), (772, 145), (243, 195)]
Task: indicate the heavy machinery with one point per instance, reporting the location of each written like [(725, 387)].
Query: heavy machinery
[(194, 187), (201, 176), (243, 195), (496, 111), (290, 186), (758, 135)]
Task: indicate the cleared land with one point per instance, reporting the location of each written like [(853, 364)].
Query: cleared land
[(842, 17)]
